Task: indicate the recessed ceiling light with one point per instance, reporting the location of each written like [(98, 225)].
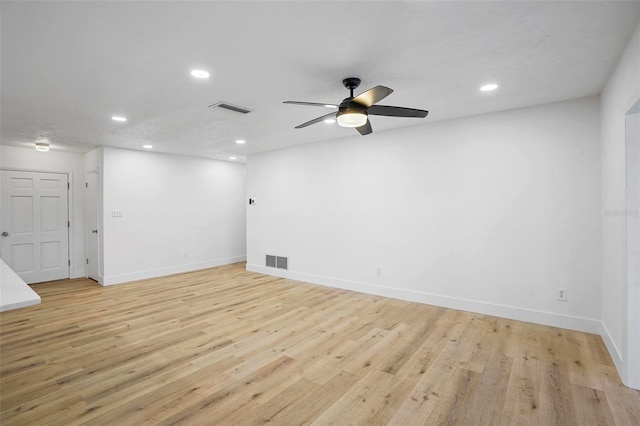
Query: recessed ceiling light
[(119, 118), (200, 73), (232, 158), (147, 146), (331, 106), (488, 87), (330, 120), (241, 141)]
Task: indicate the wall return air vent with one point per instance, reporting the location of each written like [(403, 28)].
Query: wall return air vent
[(278, 262), (230, 107)]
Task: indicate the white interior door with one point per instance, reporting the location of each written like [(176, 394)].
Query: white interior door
[(34, 225), (93, 247)]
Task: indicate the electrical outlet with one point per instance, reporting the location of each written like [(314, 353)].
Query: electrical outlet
[(116, 213), (562, 294), (379, 271)]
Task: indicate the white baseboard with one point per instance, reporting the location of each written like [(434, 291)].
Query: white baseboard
[(170, 270), (614, 351), (587, 325)]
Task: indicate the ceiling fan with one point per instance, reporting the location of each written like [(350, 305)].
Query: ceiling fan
[(354, 111)]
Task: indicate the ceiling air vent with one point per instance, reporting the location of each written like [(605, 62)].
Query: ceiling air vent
[(230, 107)]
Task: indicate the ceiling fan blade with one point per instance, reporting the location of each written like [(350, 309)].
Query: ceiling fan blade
[(365, 129), (311, 104), (372, 96), (316, 120), (394, 111)]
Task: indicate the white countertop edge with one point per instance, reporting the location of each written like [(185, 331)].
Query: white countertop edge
[(14, 292)]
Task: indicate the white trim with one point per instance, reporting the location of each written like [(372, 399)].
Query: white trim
[(71, 228), (85, 209), (177, 269), (78, 273), (631, 376), (614, 351), (21, 169), (587, 325)]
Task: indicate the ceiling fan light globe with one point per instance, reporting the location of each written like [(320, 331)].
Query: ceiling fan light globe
[(351, 119)]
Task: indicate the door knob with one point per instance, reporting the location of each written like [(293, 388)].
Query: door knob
[(94, 231), (5, 234)]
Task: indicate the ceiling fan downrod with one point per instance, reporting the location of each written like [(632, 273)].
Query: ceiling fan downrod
[(351, 83)]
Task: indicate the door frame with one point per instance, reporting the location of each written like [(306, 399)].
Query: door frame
[(632, 159), (72, 227), (95, 171)]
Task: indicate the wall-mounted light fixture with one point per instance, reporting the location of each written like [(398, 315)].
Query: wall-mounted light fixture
[(42, 146)]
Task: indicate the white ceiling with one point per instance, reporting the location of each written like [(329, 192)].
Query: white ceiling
[(67, 67)]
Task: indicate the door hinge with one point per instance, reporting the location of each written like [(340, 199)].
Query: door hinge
[(69, 262), (86, 184), (87, 261), (68, 185), (68, 224)]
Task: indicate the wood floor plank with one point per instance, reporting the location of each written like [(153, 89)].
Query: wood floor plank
[(495, 376), (556, 400), (458, 407), (522, 396), (594, 408), (228, 346), (362, 400), (624, 404)]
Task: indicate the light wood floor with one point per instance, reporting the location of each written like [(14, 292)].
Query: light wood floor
[(225, 346)]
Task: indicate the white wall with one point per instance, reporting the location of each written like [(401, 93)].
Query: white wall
[(171, 205), (619, 95), (18, 158), (490, 214), (178, 214)]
